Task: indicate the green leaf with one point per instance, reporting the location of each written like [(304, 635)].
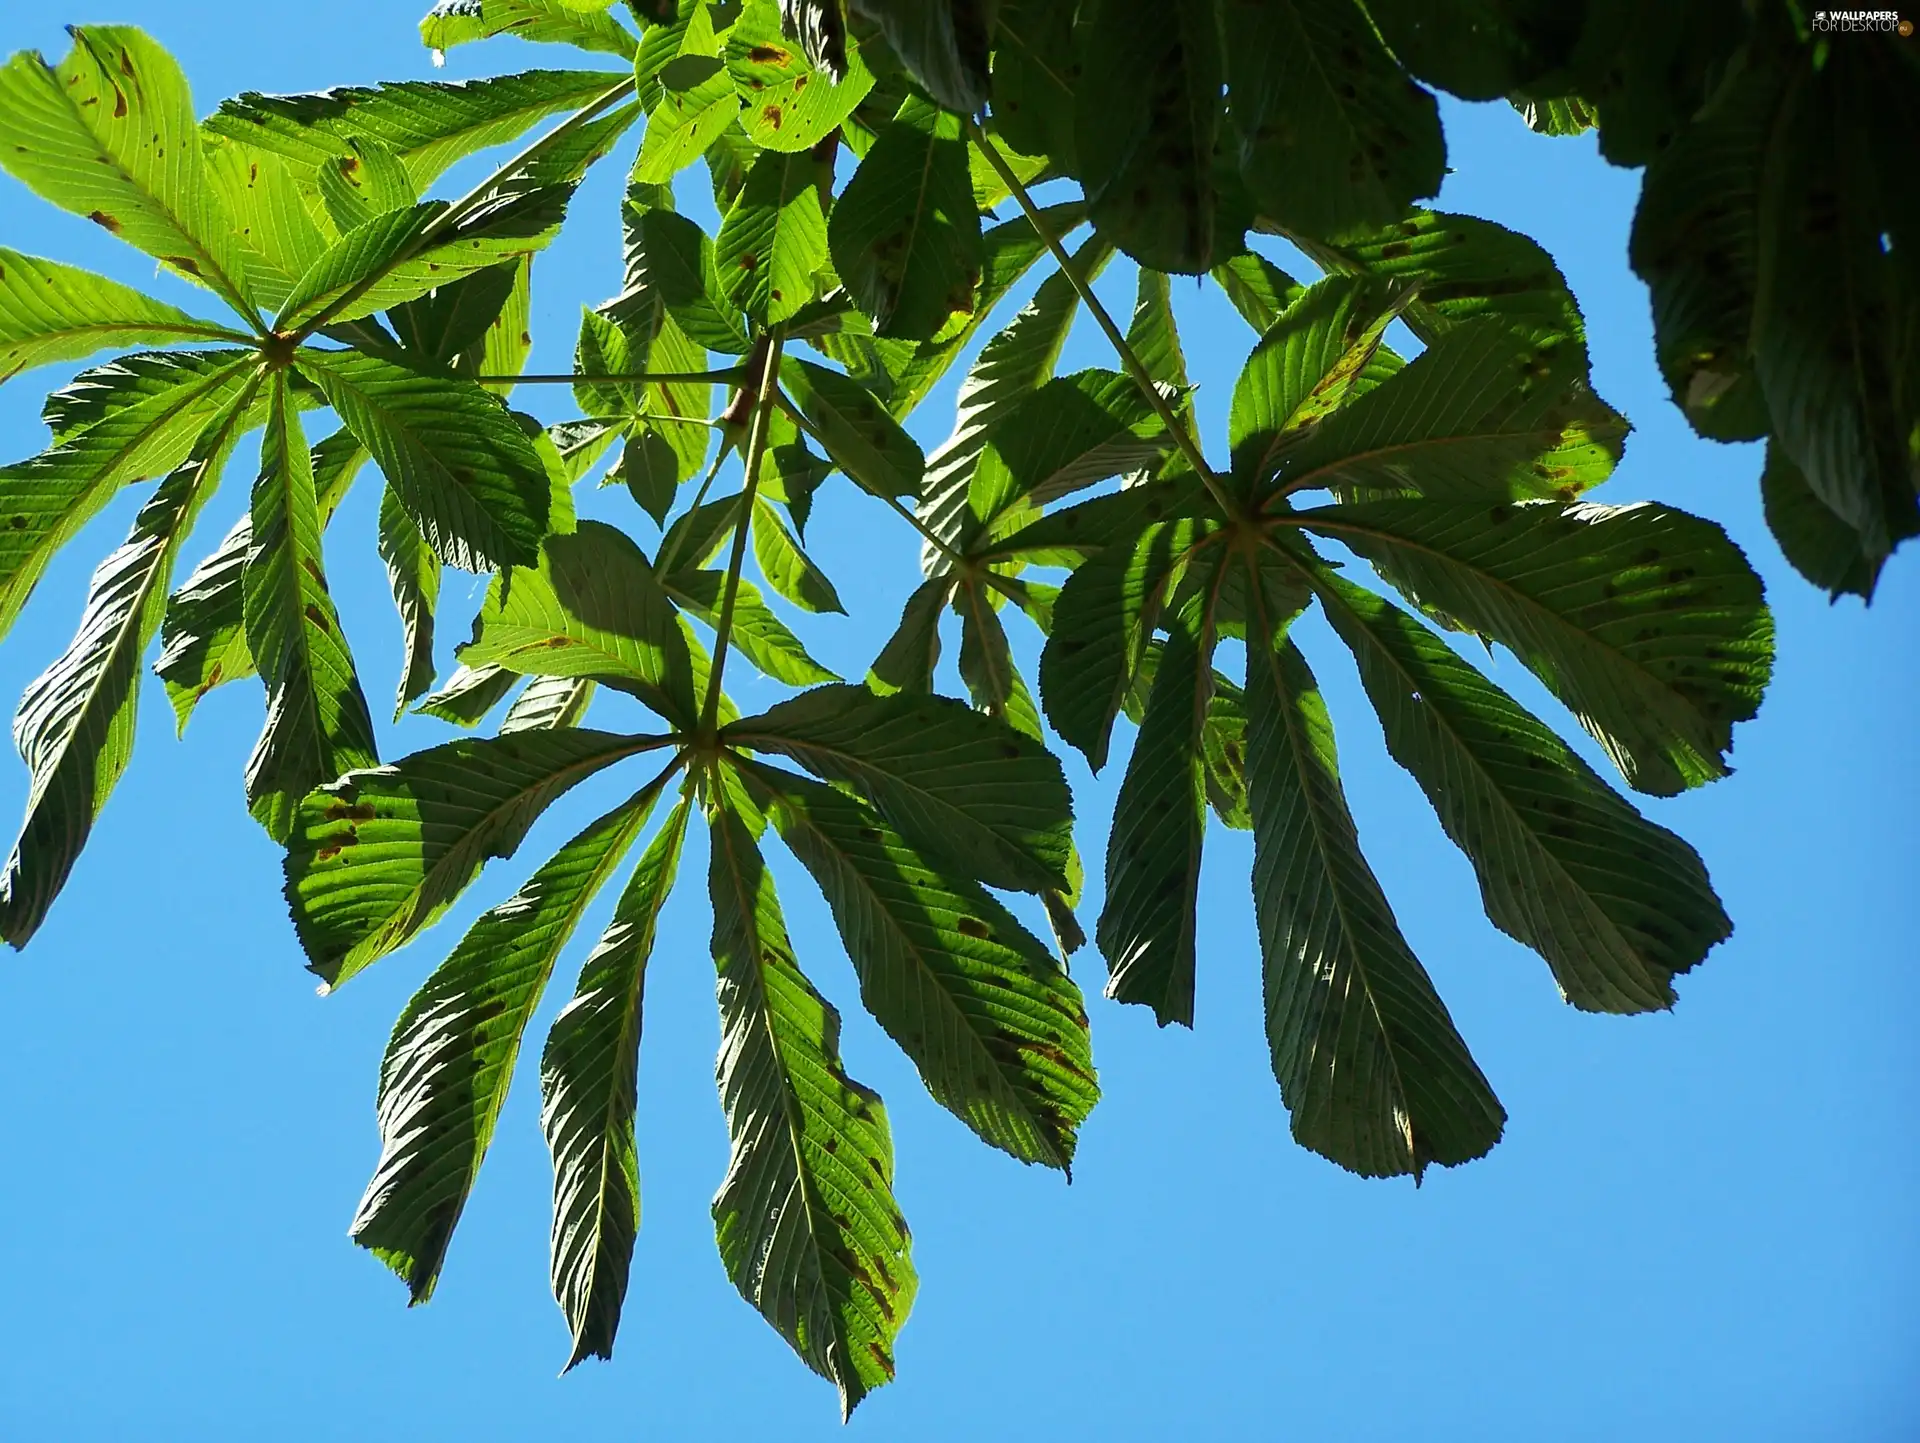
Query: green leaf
[(124, 383), (1483, 414), (592, 608), (856, 431), (1309, 363), (1034, 72), (987, 666), (51, 312), (1155, 338), (1146, 929), (464, 469), (456, 22), (1333, 135), (1224, 742), (456, 317), (786, 104), (403, 254), (943, 44), (363, 184), (413, 571), (451, 1059), (278, 225), (1146, 116), (470, 695), (907, 661), (203, 636), (380, 854), (997, 1031), (109, 134), (1648, 623), (549, 701), (1009, 251), (774, 238), (1478, 49), (806, 1220), (1369, 1063), (690, 94), (1837, 312), (787, 568), (905, 235), (676, 261), (1461, 269), (757, 634), (1822, 547), (427, 125), (1561, 115), (588, 1078), (1258, 288), (1068, 434), (1616, 905), (1010, 367), (959, 786), (76, 722), (318, 727), (44, 501), (1102, 622)]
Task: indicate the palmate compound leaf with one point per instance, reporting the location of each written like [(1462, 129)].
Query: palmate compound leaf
[(380, 854), (75, 726), (592, 608), (996, 1028), (588, 1076), (462, 466), (110, 135), (963, 789), (588, 26), (1369, 1063), (203, 636), (318, 726), (1483, 414), (1333, 133), (1648, 623), (44, 501), (905, 234), (453, 1051), (50, 312), (806, 1220), (426, 125), (1146, 118), (1616, 905)]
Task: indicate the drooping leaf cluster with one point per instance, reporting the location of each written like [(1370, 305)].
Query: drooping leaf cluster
[(872, 168)]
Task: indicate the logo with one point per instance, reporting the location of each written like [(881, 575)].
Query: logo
[(1860, 22)]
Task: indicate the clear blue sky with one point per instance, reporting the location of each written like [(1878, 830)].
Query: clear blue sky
[(1700, 1225)]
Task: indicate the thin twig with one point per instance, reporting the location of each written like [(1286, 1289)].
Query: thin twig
[(756, 454), (663, 563), (1183, 438)]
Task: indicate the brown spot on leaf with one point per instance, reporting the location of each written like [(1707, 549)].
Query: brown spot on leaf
[(974, 927), (318, 618), (101, 218), (773, 115)]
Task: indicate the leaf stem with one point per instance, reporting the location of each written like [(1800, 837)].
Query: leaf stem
[(458, 212), (756, 453), (1183, 438)]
